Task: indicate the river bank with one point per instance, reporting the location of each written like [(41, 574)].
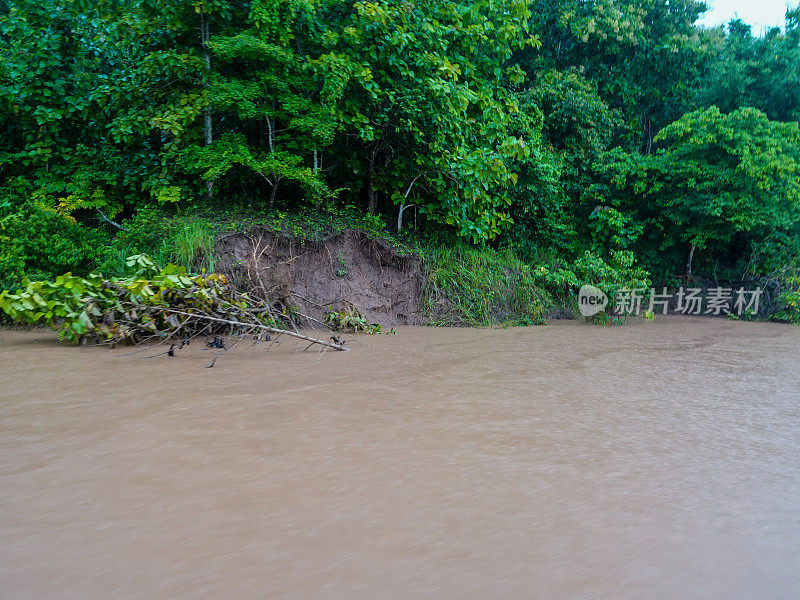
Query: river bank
[(313, 266), (651, 459)]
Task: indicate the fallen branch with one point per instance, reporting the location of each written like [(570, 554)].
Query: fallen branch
[(266, 328), (105, 218)]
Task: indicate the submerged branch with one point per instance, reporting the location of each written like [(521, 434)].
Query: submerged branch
[(266, 328)]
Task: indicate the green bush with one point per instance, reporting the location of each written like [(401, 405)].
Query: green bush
[(39, 242), (564, 280), (789, 301), (470, 286), (185, 240)]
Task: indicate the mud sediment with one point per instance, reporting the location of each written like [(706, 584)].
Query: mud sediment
[(344, 270)]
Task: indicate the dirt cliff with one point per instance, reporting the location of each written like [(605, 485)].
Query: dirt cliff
[(335, 273)]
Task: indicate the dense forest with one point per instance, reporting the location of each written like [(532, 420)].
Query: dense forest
[(586, 138)]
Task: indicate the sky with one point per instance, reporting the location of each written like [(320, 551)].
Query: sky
[(761, 14)]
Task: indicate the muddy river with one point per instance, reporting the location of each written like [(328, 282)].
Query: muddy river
[(652, 460)]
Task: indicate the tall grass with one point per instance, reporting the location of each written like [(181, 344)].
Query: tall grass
[(193, 245), (469, 286), (186, 241)]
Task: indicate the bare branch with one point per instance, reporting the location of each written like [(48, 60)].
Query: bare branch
[(267, 328)]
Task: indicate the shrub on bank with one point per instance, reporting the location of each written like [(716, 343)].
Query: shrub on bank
[(40, 243), (563, 279), (789, 301), (468, 286)]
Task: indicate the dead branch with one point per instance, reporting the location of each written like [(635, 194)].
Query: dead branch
[(266, 328)]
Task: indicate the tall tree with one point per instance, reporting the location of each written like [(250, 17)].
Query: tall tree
[(645, 56), (720, 181), (762, 72)]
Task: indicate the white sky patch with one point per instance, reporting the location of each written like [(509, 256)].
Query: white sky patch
[(760, 14)]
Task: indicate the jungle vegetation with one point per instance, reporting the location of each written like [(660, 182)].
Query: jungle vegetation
[(601, 139)]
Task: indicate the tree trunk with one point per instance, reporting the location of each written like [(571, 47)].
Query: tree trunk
[(208, 124), (270, 136), (373, 200), (403, 204), (208, 127), (272, 197), (400, 216), (689, 263)]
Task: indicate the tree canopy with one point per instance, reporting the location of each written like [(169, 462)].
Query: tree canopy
[(543, 126)]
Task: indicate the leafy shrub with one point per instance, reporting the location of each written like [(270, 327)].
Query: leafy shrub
[(350, 318), (617, 273), (122, 310), (479, 286), (789, 301), (39, 242)]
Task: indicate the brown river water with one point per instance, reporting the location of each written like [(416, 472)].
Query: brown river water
[(651, 460)]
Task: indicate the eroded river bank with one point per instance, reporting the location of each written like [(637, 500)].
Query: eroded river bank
[(652, 460)]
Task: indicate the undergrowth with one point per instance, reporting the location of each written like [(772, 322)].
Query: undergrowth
[(317, 225), (468, 286), (464, 285), (185, 240), (189, 239)]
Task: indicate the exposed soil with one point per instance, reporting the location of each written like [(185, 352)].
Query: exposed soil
[(350, 269)]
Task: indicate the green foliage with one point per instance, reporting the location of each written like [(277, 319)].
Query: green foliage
[(645, 56), (612, 230), (604, 318), (577, 122), (478, 287), (120, 310), (350, 318), (187, 240), (760, 72), (789, 301), (147, 231), (616, 273), (719, 182), (40, 242), (724, 174), (413, 106), (425, 101), (538, 199)]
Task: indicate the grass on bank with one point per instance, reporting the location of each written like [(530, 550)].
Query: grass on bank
[(469, 286), (465, 286)]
